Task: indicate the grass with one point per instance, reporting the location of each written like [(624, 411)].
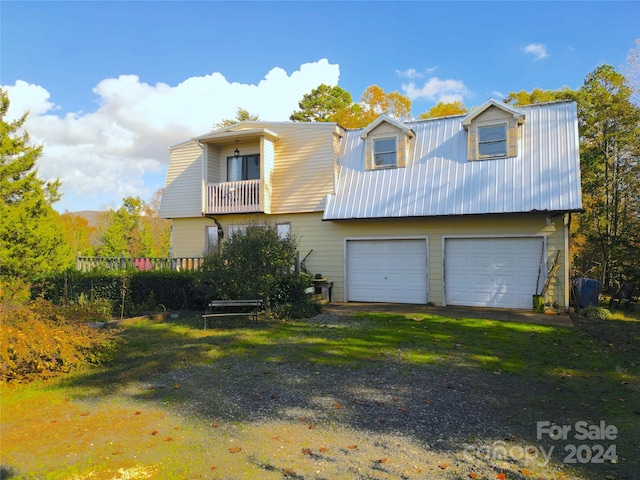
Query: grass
[(84, 425)]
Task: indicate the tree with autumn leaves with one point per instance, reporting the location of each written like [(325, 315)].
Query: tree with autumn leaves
[(333, 104)]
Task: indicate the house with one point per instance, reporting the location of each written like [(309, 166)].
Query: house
[(463, 210)]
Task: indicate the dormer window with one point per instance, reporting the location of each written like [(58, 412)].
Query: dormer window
[(386, 143), (493, 130), (492, 140), (385, 152)]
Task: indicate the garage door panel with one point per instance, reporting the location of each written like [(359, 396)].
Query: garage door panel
[(387, 271), (492, 272)]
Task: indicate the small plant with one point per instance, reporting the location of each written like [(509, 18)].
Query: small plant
[(37, 341), (596, 313)]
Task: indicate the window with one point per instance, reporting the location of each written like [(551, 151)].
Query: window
[(283, 230), (211, 239), (492, 141), (233, 229), (384, 152), (244, 167)]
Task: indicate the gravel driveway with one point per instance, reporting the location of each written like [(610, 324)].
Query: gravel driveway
[(384, 420)]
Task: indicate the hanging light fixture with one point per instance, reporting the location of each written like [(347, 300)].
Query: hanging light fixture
[(236, 152)]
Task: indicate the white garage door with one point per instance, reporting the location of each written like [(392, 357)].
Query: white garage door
[(492, 272), (392, 271)]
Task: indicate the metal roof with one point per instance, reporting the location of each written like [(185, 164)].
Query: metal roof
[(440, 180)]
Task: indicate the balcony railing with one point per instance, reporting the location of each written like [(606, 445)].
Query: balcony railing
[(233, 197)]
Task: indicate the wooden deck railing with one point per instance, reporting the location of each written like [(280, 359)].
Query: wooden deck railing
[(85, 264), (233, 197)]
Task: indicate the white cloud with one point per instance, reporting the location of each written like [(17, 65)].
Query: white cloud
[(538, 50), (412, 73), (105, 155), (437, 90)]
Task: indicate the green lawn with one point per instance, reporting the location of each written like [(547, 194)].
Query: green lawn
[(588, 373)]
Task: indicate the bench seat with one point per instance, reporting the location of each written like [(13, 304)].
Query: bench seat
[(250, 307)]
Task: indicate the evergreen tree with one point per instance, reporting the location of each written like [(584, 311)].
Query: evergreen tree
[(242, 115), (322, 104), (31, 235)]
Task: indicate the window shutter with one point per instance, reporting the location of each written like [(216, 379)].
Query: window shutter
[(368, 163), (512, 141), (471, 143), (401, 151)]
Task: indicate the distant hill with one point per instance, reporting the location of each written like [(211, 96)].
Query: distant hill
[(91, 216)]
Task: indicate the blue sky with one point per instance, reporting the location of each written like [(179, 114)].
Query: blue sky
[(110, 85)]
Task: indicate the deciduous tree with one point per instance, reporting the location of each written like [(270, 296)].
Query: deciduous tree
[(609, 124), (539, 96), (134, 230), (373, 103), (445, 109)]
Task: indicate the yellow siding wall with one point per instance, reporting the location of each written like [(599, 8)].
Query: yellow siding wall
[(327, 239), (303, 172), (267, 164), (183, 192)]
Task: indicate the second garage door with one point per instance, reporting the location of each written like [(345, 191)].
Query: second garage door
[(492, 272), (392, 271)]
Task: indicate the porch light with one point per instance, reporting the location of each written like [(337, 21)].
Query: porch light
[(236, 152)]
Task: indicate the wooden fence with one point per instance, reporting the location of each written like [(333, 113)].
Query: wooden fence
[(85, 264)]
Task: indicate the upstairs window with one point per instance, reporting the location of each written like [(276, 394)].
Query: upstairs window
[(243, 167), (492, 141), (385, 152)]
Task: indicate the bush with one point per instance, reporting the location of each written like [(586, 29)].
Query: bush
[(290, 300), (144, 291), (257, 263), (596, 313), (37, 341)]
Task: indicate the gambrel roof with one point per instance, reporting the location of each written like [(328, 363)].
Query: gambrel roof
[(439, 179)]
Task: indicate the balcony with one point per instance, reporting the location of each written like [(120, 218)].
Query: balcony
[(233, 197)]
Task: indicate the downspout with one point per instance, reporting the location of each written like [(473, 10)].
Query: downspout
[(567, 261), (220, 229)]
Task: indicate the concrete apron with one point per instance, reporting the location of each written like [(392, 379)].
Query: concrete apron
[(500, 314)]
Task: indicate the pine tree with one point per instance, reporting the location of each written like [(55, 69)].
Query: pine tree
[(31, 237)]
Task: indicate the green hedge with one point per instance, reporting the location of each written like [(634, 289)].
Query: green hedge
[(144, 291)]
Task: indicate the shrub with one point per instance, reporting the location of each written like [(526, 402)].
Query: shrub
[(596, 313), (289, 299), (144, 290), (256, 263), (37, 341)]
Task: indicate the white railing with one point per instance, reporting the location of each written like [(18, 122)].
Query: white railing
[(233, 197)]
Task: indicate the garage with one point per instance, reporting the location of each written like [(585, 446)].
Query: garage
[(389, 270), (492, 272)]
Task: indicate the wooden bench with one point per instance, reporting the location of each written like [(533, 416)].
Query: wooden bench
[(247, 307)]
